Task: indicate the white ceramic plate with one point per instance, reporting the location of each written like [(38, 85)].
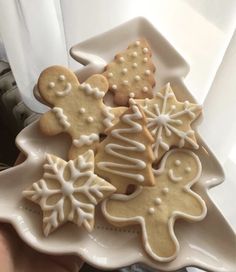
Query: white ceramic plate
[(208, 244)]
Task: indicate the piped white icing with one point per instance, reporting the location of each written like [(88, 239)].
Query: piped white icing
[(124, 71), (145, 50), (134, 54), (80, 211), (51, 85), (137, 77), (89, 90), (145, 89), (114, 87), (151, 210), (177, 162), (86, 140), (62, 118), (134, 65), (173, 177), (109, 117), (145, 59), (147, 72), (161, 121), (62, 77), (120, 151), (90, 119), (67, 89)]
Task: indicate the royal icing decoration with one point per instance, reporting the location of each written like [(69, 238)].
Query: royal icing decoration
[(61, 117), (157, 212), (79, 112), (131, 74), (75, 200), (169, 121), (122, 154)]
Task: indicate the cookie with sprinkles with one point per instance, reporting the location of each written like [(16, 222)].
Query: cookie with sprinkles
[(76, 109), (131, 73)]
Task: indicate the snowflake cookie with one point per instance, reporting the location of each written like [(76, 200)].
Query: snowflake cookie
[(77, 109), (68, 191), (125, 156), (131, 73), (169, 121), (157, 208)]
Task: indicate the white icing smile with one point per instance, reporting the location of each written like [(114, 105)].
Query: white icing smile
[(65, 91), (173, 177)]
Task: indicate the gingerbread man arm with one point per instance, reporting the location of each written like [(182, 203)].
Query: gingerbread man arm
[(49, 124)]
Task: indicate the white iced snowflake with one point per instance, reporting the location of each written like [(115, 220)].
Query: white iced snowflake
[(79, 185), (167, 120)]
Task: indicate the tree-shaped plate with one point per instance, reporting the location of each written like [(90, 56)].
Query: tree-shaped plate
[(208, 244)]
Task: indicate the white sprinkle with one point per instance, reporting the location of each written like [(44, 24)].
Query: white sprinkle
[(157, 201), (125, 82), (110, 75), (177, 162), (82, 110), (145, 89), (151, 210), (114, 87), (137, 43), (131, 95), (165, 190), (121, 59), (188, 169), (137, 78), (90, 119), (134, 65), (147, 72), (62, 77), (124, 70), (145, 59), (145, 50), (134, 54), (51, 85)]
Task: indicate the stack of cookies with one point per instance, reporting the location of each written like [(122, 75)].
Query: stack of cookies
[(136, 158)]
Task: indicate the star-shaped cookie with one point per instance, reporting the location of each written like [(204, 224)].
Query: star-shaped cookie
[(68, 191), (157, 208), (169, 121), (77, 109)]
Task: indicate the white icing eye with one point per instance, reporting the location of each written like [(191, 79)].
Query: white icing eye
[(157, 201), (51, 85), (134, 54), (137, 78), (82, 110), (145, 50), (151, 210), (90, 119), (134, 65), (173, 107), (137, 43), (125, 82), (147, 72), (177, 162), (145, 60), (110, 75), (188, 169), (121, 59), (114, 87), (165, 190), (124, 70), (61, 77), (145, 89), (131, 95)]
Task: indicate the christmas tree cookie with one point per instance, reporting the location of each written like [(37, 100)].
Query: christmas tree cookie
[(157, 208), (125, 156), (77, 109), (131, 73), (169, 121), (68, 191)]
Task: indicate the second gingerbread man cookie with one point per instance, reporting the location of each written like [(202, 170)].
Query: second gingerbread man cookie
[(76, 109)]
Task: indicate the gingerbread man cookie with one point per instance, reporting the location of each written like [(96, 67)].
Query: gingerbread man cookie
[(68, 191), (77, 109), (157, 208), (131, 74), (169, 121), (125, 157)]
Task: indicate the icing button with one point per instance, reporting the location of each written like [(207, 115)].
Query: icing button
[(124, 70), (147, 72), (151, 210), (157, 201), (165, 190), (145, 59), (125, 82), (121, 59), (90, 119), (134, 54), (82, 110), (114, 87), (134, 65), (145, 50), (137, 78), (145, 89), (188, 169)]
